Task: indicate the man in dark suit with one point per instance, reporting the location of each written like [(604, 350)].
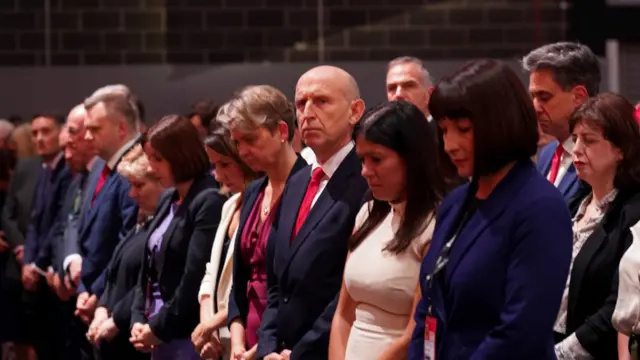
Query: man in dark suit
[(562, 76), (308, 244), (110, 125), (409, 80), (53, 182)]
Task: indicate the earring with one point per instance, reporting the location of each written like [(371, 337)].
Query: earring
[(282, 141)]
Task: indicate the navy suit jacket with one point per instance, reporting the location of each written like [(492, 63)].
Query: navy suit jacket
[(103, 225), (304, 277), (66, 225), (499, 295), (570, 184), (39, 244), (238, 306), (181, 260)]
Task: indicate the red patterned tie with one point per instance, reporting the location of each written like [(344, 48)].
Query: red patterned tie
[(312, 189), (555, 164), (103, 177)]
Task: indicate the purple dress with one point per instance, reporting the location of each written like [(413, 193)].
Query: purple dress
[(253, 245), (182, 349)]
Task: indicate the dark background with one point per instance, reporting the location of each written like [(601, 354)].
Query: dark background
[(111, 32)]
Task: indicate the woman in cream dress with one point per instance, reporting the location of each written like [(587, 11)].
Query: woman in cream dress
[(374, 317), (212, 337)]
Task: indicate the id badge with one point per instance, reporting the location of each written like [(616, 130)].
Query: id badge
[(430, 324)]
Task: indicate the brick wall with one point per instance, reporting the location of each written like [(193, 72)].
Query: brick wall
[(109, 32)]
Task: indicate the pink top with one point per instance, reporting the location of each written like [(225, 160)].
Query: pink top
[(253, 247)]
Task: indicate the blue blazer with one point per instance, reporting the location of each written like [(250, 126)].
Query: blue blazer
[(102, 226), (570, 183), (39, 244), (499, 295), (304, 277)]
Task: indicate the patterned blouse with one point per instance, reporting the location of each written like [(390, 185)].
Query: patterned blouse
[(582, 229)]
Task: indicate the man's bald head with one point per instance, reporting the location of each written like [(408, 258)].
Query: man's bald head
[(342, 80), (77, 115), (328, 106)]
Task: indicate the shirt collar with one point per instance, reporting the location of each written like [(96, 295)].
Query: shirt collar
[(113, 161), (567, 145), (53, 163), (331, 165), (91, 163)]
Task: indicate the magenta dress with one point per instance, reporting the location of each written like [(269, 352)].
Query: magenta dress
[(253, 245)]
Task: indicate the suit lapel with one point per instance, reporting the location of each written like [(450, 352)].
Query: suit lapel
[(109, 182), (569, 178), (489, 210), (547, 156), (332, 192), (90, 188)]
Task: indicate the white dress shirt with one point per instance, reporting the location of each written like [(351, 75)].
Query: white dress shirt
[(329, 167)]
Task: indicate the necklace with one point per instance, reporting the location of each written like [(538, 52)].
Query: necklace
[(265, 210)]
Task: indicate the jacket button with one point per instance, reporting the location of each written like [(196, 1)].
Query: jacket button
[(286, 300)]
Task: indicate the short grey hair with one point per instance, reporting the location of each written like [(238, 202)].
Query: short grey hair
[(119, 99), (571, 64), (426, 77)]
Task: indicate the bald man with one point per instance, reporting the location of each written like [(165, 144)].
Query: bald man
[(308, 244)]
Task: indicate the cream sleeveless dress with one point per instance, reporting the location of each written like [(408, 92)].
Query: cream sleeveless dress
[(383, 285)]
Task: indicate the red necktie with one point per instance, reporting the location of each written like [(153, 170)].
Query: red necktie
[(305, 207), (103, 176), (555, 164)]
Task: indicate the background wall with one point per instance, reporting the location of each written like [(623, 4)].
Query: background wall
[(110, 32)]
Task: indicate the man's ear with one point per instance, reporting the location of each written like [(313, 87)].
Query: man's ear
[(357, 110), (580, 95)]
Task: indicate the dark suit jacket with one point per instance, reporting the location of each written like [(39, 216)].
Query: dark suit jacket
[(499, 295), (593, 289), (304, 277), (38, 248), (181, 260), (238, 306), (570, 184), (66, 225), (103, 225), (16, 213)]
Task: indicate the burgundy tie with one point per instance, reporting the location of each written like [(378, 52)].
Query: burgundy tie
[(312, 190), (103, 177)]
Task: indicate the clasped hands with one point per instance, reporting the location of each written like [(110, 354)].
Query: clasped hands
[(206, 342), (284, 355), (102, 327), (143, 339), (85, 307)]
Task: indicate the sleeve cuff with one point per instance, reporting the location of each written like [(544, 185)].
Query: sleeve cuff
[(571, 349), (69, 259)]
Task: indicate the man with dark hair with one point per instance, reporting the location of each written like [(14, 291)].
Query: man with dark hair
[(561, 77), (201, 115)]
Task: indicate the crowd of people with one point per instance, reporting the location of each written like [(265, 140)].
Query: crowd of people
[(470, 218)]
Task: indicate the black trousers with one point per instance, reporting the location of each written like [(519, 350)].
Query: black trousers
[(120, 349)]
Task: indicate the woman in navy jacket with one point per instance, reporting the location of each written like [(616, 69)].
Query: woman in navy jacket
[(494, 275)]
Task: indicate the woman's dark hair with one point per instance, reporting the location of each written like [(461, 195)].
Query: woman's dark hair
[(220, 141), (489, 94), (177, 141), (400, 126), (614, 116)]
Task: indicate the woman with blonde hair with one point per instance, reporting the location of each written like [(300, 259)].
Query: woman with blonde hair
[(261, 122), (212, 337), (109, 329)]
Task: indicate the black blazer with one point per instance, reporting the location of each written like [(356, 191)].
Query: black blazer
[(304, 277), (122, 276), (16, 212), (593, 289), (238, 306), (181, 260)]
